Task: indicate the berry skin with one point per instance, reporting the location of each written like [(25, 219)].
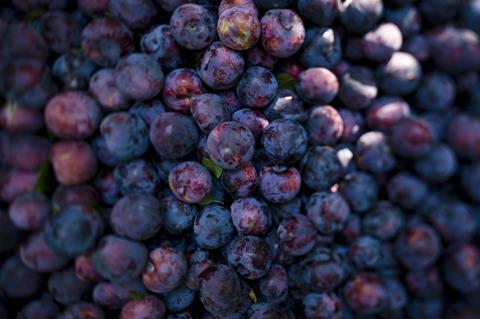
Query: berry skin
[(380, 43), (285, 141), (257, 87), (83, 310), (373, 153), (411, 137), (283, 32), (190, 182), (360, 190), (321, 168), (119, 260), (72, 115), (251, 216), (240, 182), (365, 252), (136, 217), (66, 288), (279, 184), (193, 26), (319, 12), (165, 271), (105, 40), (38, 256), (418, 246), (136, 177), (230, 145), (125, 134), (139, 76), (274, 286), (213, 227), (239, 28), (317, 85), (73, 162), (327, 211), (105, 91), (29, 211), (406, 190), (366, 293), (177, 215), (255, 120), (227, 4), (250, 256), (220, 67), (325, 125), (160, 44), (148, 307), (209, 110), (180, 86), (359, 16), (385, 111), (136, 14), (383, 221), (400, 75), (220, 289), (323, 270), (462, 268), (17, 280), (173, 135), (358, 88), (296, 234), (73, 231), (322, 306)]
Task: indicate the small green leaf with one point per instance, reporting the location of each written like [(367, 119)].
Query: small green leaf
[(209, 200), (212, 167), (285, 81), (32, 15), (137, 296), (45, 180)]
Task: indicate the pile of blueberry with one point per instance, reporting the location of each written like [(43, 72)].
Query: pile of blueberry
[(261, 159)]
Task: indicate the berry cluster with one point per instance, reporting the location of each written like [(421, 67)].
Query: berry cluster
[(258, 159)]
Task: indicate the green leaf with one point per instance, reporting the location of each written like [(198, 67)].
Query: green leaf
[(32, 15), (212, 167), (286, 81), (45, 180), (137, 296), (209, 200)]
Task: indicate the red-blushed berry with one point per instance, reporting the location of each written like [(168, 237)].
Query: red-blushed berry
[(190, 182)]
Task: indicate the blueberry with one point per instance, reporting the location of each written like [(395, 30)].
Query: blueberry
[(73, 231), (400, 75), (137, 217), (173, 135), (325, 125), (193, 26), (366, 293), (190, 182), (454, 221), (139, 76), (179, 299), (38, 256), (462, 267), (360, 190), (230, 144), (165, 270), (136, 177), (125, 134), (412, 137), (29, 212), (72, 115), (317, 85), (385, 111), (148, 307), (365, 252), (85, 270), (284, 141), (384, 221), (358, 88), (239, 28), (119, 260), (105, 40), (83, 310), (160, 44), (279, 184), (136, 14), (323, 270), (257, 87), (17, 280), (255, 120), (438, 165), (274, 286), (418, 246), (60, 30), (220, 67), (319, 12), (209, 110), (213, 227), (373, 153), (82, 194), (283, 32), (286, 105), (44, 306), (436, 92), (66, 288), (327, 211), (104, 89), (407, 18), (380, 43), (178, 216), (406, 190), (359, 16), (322, 306), (250, 256), (322, 48), (463, 134), (251, 216), (296, 234), (113, 295), (180, 86), (257, 56), (240, 182), (321, 168), (227, 4), (74, 70), (220, 289)]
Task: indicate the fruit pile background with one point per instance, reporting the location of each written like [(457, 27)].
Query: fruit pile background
[(262, 159)]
